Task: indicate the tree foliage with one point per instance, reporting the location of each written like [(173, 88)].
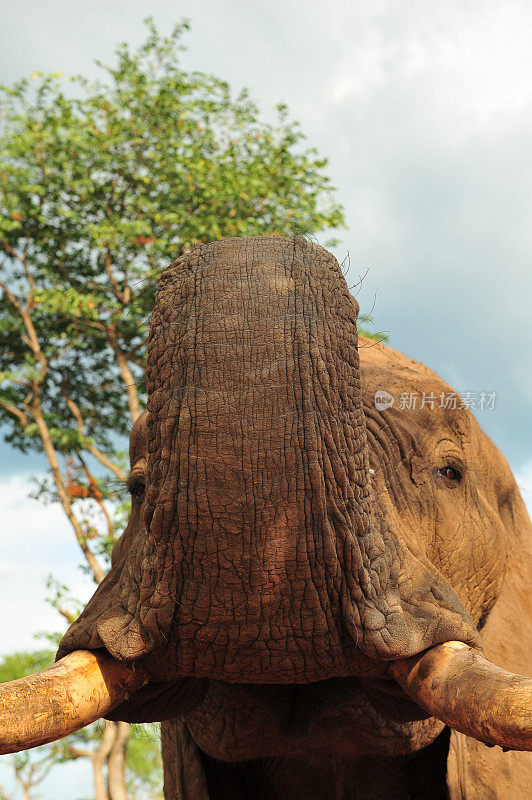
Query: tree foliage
[(102, 185), (98, 193)]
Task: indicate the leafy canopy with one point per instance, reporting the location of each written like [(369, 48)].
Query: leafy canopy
[(99, 192)]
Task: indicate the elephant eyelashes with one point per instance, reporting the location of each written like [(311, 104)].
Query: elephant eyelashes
[(450, 474), (136, 488)]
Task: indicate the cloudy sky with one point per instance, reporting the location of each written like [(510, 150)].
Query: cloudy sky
[(425, 112)]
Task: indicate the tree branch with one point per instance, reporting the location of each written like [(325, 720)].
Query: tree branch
[(31, 339), (20, 415), (118, 293), (64, 497), (98, 499), (67, 615), (27, 272), (91, 448), (106, 462), (127, 375), (79, 752), (11, 297), (74, 409), (131, 353)]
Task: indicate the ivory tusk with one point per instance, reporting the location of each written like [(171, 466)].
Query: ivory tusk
[(454, 683), (77, 690)]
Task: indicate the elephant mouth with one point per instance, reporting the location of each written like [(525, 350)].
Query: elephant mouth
[(381, 689), (451, 682)]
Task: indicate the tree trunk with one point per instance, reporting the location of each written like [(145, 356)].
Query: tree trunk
[(99, 758), (116, 764), (127, 375)]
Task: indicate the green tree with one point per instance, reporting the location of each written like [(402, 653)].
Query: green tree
[(101, 186)]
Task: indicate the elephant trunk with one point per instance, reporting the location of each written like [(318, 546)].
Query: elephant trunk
[(454, 683), (61, 699)]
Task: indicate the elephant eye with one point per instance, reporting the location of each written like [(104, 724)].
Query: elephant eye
[(136, 488), (449, 473)]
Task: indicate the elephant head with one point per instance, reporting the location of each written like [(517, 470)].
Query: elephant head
[(289, 538)]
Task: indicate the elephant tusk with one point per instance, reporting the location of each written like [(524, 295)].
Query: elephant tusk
[(454, 683), (77, 690)]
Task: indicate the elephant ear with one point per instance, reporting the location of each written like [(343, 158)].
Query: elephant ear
[(475, 771)]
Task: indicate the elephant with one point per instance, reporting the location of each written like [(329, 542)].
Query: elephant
[(318, 594)]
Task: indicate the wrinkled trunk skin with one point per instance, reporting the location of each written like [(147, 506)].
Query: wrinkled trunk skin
[(261, 559)]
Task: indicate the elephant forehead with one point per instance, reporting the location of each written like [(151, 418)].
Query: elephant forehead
[(408, 394)]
